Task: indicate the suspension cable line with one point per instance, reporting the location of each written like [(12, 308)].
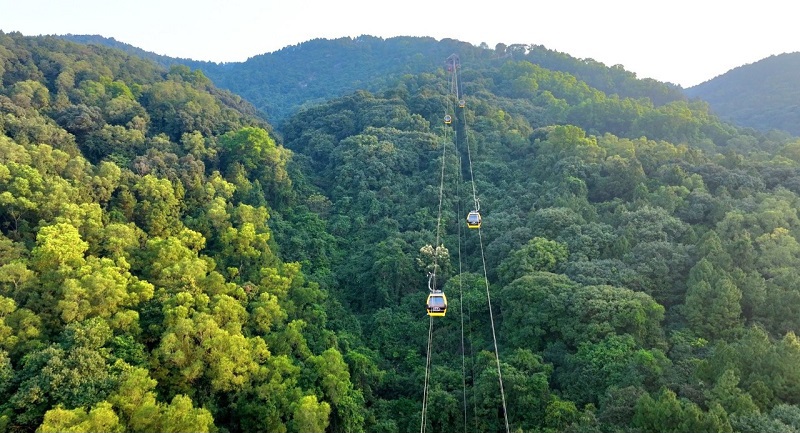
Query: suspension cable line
[(455, 63), (432, 287), (427, 370), (494, 336), (455, 89), (461, 300)]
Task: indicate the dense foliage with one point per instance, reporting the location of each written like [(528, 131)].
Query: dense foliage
[(141, 287), (760, 95), (635, 252), (167, 263)]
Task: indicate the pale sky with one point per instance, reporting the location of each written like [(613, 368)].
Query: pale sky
[(685, 42)]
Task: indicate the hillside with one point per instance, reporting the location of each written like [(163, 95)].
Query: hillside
[(762, 95), (282, 82), (634, 269), (168, 263), (141, 284)]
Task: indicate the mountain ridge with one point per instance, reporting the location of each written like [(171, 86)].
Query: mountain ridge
[(741, 95), (368, 63), (763, 95)]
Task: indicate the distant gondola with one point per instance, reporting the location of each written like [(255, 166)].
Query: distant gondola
[(474, 220), (437, 304), (447, 119)]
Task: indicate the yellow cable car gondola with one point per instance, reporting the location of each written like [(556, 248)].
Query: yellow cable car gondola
[(474, 220), (462, 103), (447, 119), (437, 304)]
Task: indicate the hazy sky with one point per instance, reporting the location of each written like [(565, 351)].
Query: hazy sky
[(678, 41)]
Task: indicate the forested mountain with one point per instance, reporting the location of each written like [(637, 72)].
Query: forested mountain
[(763, 95), (641, 258), (167, 263), (281, 82)]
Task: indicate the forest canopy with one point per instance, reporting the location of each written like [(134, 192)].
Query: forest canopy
[(169, 261)]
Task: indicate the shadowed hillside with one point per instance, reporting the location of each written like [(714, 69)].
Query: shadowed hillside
[(763, 95)]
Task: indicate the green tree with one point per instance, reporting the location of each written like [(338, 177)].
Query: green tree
[(101, 418), (731, 397), (613, 362), (310, 415), (258, 153), (538, 255), (157, 206), (102, 289), (713, 307), (74, 374), (334, 379), (670, 414)]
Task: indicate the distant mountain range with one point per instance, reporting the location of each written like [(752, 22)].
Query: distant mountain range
[(764, 95)]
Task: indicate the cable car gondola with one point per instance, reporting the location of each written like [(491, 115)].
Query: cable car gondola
[(462, 103), (447, 119), (474, 220), (437, 304)]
